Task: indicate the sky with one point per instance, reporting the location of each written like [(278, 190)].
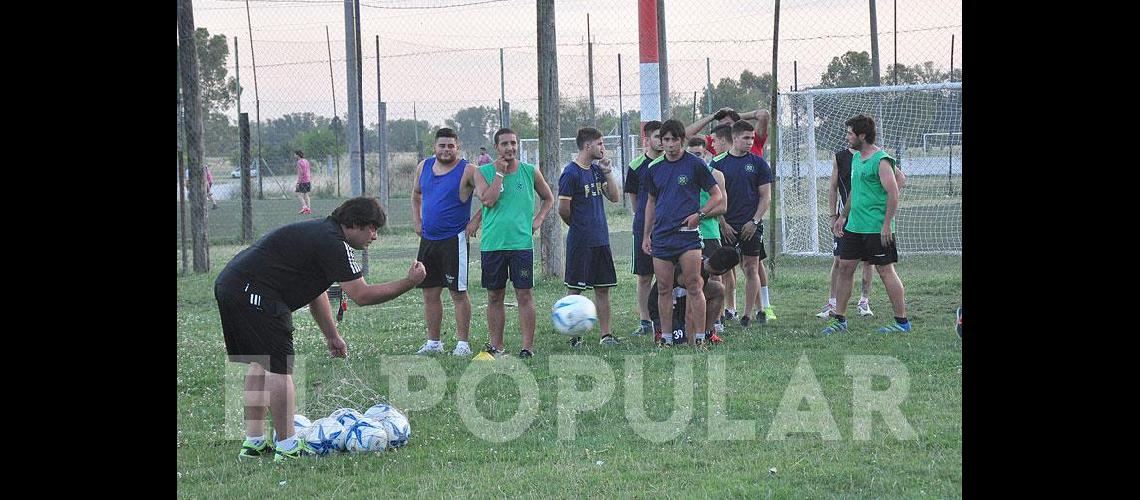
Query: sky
[(443, 55)]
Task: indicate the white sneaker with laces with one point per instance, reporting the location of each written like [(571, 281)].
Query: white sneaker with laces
[(428, 348), (865, 309), (826, 311), (461, 351)]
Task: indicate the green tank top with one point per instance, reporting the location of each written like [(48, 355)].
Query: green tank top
[(868, 198), (507, 225), (709, 228)]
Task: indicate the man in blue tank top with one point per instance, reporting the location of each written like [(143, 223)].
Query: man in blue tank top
[(441, 214)]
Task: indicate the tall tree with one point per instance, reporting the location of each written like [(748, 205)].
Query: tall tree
[(852, 69), (474, 126)]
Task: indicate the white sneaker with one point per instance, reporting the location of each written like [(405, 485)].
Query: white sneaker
[(428, 349), (865, 309), (461, 351), (826, 311), (719, 327)]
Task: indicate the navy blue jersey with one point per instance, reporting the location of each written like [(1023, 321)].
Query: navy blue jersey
[(677, 187), (585, 188), (743, 176), (843, 159), (635, 184)]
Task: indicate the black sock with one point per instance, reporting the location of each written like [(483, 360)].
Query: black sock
[(840, 318), (901, 321)]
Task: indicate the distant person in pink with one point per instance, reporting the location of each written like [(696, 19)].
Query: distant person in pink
[(304, 182), (210, 188), (484, 158)]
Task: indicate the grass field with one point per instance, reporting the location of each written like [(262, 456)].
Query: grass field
[(445, 457)]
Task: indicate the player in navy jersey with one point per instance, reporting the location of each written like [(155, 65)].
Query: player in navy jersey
[(673, 213), (642, 264), (748, 182), (589, 262), (257, 292)]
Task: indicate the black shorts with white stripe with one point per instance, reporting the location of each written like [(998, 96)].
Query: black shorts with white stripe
[(446, 262)]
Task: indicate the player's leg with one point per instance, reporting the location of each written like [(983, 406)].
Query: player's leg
[(458, 264), (663, 271), (695, 295), (522, 277), (495, 281), (751, 286), (602, 277), (865, 290)]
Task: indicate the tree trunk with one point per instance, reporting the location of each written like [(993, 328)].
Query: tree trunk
[(191, 102)]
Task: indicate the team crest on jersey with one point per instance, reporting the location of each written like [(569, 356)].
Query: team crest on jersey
[(682, 180), (750, 168)]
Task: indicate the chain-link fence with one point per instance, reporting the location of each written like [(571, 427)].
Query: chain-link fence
[(453, 63)]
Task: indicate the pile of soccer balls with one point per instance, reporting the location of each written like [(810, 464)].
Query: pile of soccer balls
[(379, 428)]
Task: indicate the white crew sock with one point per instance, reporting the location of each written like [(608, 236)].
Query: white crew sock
[(764, 304), (288, 444)]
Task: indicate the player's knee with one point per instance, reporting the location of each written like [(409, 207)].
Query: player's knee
[(713, 290), (496, 296)]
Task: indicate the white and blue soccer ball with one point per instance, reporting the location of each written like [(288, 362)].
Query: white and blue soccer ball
[(574, 315), (326, 436), (300, 424), (367, 435), (394, 422), (346, 416)]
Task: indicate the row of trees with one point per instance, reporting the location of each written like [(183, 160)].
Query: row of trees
[(321, 136)]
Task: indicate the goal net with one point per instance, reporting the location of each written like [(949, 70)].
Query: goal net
[(920, 125)]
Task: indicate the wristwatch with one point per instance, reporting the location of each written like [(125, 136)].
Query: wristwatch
[(701, 215), (755, 222)]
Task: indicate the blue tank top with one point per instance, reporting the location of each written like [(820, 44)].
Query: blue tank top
[(444, 216)]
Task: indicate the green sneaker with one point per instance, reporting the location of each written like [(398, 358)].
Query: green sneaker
[(250, 450), (769, 314), (301, 450)]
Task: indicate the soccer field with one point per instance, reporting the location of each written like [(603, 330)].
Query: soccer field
[(610, 454)]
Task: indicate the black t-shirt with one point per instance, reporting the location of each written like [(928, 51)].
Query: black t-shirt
[(296, 263), (843, 163)]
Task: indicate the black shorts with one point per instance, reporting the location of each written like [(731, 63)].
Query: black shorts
[(867, 248), (445, 262), (588, 268), (676, 245), (753, 247), (642, 262), (711, 245), (256, 328), (835, 246), (304, 187), (499, 265)]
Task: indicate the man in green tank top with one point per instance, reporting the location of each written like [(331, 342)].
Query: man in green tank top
[(508, 220), (867, 227)]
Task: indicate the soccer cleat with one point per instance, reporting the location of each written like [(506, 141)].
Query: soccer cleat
[(719, 327), (729, 314), (958, 325), (301, 450), (714, 339), (835, 326), (826, 311), (428, 349), (575, 341), (250, 450), (644, 329), (525, 353), (490, 349), (865, 308), (896, 327), (461, 351), (745, 321), (701, 344), (769, 314), (608, 339)]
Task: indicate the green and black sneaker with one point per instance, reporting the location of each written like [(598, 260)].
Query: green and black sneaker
[(251, 450), (301, 450)]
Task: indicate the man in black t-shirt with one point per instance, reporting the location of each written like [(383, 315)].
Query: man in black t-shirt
[(259, 289)]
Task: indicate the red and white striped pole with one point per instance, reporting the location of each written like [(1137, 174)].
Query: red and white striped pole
[(650, 70)]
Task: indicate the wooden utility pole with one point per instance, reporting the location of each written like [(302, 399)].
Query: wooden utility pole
[(192, 111), (551, 239)]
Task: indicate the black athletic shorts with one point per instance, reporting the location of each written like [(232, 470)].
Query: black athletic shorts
[(304, 187), (867, 248), (753, 247), (642, 262), (587, 268), (256, 328), (445, 262)]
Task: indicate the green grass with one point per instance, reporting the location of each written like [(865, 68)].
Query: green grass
[(444, 458)]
